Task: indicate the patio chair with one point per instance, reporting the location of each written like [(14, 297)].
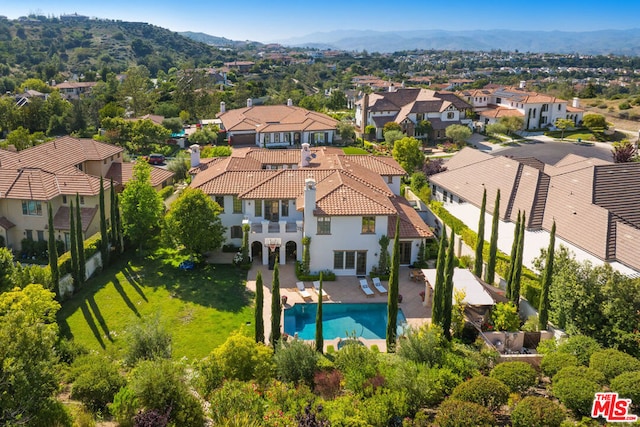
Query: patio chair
[(365, 288), (303, 291), (378, 285), (316, 286)]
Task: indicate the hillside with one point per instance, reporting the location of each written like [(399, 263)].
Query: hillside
[(42, 47)]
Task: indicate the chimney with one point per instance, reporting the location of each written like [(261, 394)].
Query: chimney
[(289, 102), (576, 102), (310, 226), (522, 84), (223, 107), (195, 155), (249, 103), (305, 155)]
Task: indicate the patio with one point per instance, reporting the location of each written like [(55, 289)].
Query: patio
[(343, 289)]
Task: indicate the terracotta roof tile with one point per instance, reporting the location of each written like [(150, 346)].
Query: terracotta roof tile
[(61, 218), (123, 172), (281, 117), (412, 226)]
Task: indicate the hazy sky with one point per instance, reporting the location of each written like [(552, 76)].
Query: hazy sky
[(268, 20)]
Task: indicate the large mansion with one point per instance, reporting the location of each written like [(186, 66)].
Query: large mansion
[(537, 110), (51, 174), (272, 126), (343, 203), (594, 203), (408, 107)]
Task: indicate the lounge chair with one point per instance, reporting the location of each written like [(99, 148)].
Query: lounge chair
[(304, 293), (316, 286), (365, 288), (378, 285)]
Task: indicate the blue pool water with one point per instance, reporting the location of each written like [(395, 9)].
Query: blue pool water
[(368, 321)]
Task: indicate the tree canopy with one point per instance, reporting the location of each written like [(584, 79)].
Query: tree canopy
[(459, 133), (142, 206), (194, 222), (407, 152)]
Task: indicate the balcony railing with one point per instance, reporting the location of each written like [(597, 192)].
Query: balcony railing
[(270, 227)]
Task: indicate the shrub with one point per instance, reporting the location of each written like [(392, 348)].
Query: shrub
[(124, 407), (505, 317), (613, 362), (357, 364), (233, 399), (426, 344), (628, 386), (96, 381), (327, 383), (159, 385), (581, 346), (533, 411), (552, 362), (570, 372), (385, 407), (485, 391), (241, 358), (518, 376), (148, 341), (166, 192), (296, 362), (576, 393), (458, 413), (424, 386)]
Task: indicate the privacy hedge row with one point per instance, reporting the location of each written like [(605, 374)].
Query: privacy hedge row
[(91, 246)]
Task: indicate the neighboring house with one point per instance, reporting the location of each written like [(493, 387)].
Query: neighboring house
[(241, 66), (53, 173), (408, 107), (345, 204), (276, 125), (73, 90), (537, 110), (25, 97), (155, 119), (595, 203)]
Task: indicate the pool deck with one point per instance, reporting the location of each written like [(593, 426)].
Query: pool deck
[(343, 289)]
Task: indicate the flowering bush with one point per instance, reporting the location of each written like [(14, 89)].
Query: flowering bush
[(241, 260)]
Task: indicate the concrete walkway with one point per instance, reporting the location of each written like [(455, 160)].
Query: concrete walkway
[(343, 289)]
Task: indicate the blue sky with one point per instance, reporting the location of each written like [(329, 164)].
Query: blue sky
[(270, 20)]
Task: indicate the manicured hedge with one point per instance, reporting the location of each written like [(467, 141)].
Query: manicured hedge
[(91, 246)]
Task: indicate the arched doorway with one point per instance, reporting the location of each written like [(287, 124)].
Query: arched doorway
[(291, 251), (256, 251)]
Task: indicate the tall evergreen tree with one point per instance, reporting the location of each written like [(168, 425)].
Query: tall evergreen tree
[(119, 231), (547, 276), (104, 237), (53, 254), (477, 266), (319, 337), (114, 228), (82, 267), (512, 260), (493, 244), (447, 301), (517, 271), (276, 307), (73, 244), (438, 286), (392, 302), (258, 318)]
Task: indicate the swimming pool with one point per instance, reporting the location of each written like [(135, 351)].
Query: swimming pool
[(368, 321)]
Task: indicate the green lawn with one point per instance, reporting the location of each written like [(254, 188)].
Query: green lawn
[(199, 307), (354, 150)]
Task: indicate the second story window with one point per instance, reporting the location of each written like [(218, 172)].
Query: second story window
[(258, 208), (32, 207), (285, 208), (237, 205), (368, 224), (220, 200), (324, 225)]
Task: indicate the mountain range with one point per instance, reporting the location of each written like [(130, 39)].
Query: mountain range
[(603, 42)]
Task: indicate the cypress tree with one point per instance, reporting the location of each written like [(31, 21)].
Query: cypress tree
[(517, 271), (319, 337), (477, 267), (53, 254), (512, 260), (493, 244), (392, 302), (118, 222), (82, 267), (104, 237), (438, 286), (258, 319), (73, 244), (114, 228), (447, 297), (547, 275), (276, 306)]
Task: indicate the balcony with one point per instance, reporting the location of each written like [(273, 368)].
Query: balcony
[(281, 227)]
